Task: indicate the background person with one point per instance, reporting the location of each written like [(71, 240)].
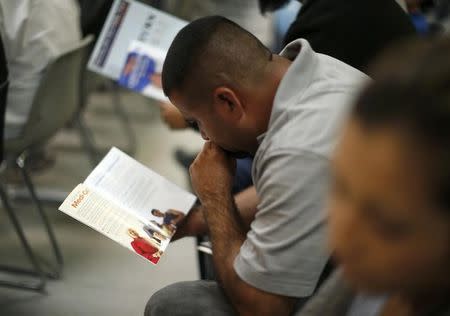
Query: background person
[(34, 33), (391, 235)]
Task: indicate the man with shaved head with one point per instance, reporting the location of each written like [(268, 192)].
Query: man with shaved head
[(285, 111)]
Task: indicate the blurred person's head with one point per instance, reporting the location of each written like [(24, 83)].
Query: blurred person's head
[(420, 5), (224, 80), (271, 5), (390, 196), (132, 233), (157, 213)]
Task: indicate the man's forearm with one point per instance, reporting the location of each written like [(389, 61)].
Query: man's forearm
[(246, 203), (228, 232), (212, 179)]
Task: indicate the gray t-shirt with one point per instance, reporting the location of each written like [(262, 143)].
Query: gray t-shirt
[(285, 252)]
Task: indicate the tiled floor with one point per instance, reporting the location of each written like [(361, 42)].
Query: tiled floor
[(100, 277)]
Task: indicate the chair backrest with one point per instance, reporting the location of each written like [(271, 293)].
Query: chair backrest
[(3, 94), (57, 98)]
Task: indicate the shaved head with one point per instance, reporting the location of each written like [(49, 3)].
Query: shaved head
[(210, 52)]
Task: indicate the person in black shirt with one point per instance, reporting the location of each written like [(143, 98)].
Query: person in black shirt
[(352, 31)]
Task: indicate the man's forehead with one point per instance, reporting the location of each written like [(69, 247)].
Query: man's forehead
[(176, 98), (182, 104), (179, 99), (184, 111)]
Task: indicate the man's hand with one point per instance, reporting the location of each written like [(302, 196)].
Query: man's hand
[(192, 225), (172, 116), (155, 79), (212, 173)]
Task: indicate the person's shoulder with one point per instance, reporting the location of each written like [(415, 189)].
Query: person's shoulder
[(332, 10), (284, 163), (374, 6), (334, 83), (336, 70), (309, 125)]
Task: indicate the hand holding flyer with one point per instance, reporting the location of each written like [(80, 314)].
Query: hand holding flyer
[(130, 204)]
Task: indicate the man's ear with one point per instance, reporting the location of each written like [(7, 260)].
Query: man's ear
[(227, 103)]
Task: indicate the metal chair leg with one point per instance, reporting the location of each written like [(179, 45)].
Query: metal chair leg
[(56, 273), (87, 140), (39, 285)]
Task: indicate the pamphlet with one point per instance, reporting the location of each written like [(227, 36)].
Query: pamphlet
[(134, 41), (142, 71), (130, 204)]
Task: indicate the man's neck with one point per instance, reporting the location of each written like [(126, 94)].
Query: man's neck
[(274, 73)]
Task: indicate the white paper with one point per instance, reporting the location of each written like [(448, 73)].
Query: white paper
[(136, 188), (130, 21), (131, 204), (142, 70), (93, 210)]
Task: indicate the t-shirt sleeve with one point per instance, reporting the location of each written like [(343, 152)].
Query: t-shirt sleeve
[(285, 252)]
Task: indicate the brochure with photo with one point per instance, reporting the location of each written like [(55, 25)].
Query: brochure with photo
[(130, 204), (142, 71), (134, 37)]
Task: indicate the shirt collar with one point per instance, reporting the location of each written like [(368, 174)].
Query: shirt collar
[(296, 79), (299, 74)]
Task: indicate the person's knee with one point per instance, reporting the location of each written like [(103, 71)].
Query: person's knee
[(189, 298), (160, 303)]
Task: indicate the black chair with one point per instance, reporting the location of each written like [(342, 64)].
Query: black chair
[(36, 271)]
